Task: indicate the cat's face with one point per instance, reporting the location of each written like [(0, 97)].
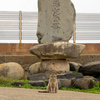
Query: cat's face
[(53, 74)]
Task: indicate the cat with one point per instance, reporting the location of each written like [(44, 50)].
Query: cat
[(52, 85)]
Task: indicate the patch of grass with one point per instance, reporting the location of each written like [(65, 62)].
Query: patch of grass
[(95, 89), (5, 82), (46, 79), (74, 71)]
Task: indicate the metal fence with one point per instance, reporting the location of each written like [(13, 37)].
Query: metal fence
[(23, 25)]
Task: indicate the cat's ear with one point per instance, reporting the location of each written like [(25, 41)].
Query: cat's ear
[(56, 72), (50, 72)]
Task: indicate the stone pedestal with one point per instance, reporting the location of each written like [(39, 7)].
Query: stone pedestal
[(57, 50), (53, 55), (56, 25)]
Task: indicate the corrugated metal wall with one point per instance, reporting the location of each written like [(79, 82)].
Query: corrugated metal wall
[(9, 25), (87, 26)]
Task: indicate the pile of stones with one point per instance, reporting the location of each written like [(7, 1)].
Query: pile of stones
[(67, 80), (56, 25)]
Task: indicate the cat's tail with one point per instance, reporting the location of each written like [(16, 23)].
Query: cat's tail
[(43, 91)]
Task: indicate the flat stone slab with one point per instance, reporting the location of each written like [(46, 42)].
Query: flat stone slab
[(38, 83), (40, 76), (57, 50), (70, 76), (56, 20)]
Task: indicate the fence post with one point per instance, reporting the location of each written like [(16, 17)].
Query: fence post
[(20, 26)]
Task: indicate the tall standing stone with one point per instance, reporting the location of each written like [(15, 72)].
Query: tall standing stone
[(56, 25), (56, 20)]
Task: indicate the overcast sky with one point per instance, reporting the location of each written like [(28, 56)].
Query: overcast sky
[(82, 6)]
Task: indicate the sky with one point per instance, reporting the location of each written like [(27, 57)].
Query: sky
[(81, 6)]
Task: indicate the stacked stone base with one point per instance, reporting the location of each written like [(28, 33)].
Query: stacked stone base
[(53, 55)]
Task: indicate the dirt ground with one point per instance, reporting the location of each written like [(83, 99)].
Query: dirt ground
[(32, 94)]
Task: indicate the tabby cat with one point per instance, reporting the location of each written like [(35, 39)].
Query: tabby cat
[(52, 85)]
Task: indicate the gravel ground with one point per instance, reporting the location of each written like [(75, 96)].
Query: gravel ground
[(32, 94)]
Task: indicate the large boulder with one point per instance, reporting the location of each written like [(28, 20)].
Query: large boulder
[(56, 20), (91, 68), (57, 50), (74, 66), (70, 76), (54, 65), (84, 83), (34, 68), (11, 70), (40, 76)]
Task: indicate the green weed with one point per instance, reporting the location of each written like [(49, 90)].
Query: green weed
[(7, 82)]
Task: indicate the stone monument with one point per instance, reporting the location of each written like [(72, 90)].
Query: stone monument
[(56, 20), (56, 25)]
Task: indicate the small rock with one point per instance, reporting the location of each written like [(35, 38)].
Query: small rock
[(66, 82), (18, 83), (84, 83), (74, 66), (40, 83)]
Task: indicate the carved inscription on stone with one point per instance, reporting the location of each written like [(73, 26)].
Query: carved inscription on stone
[(56, 20), (56, 13)]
